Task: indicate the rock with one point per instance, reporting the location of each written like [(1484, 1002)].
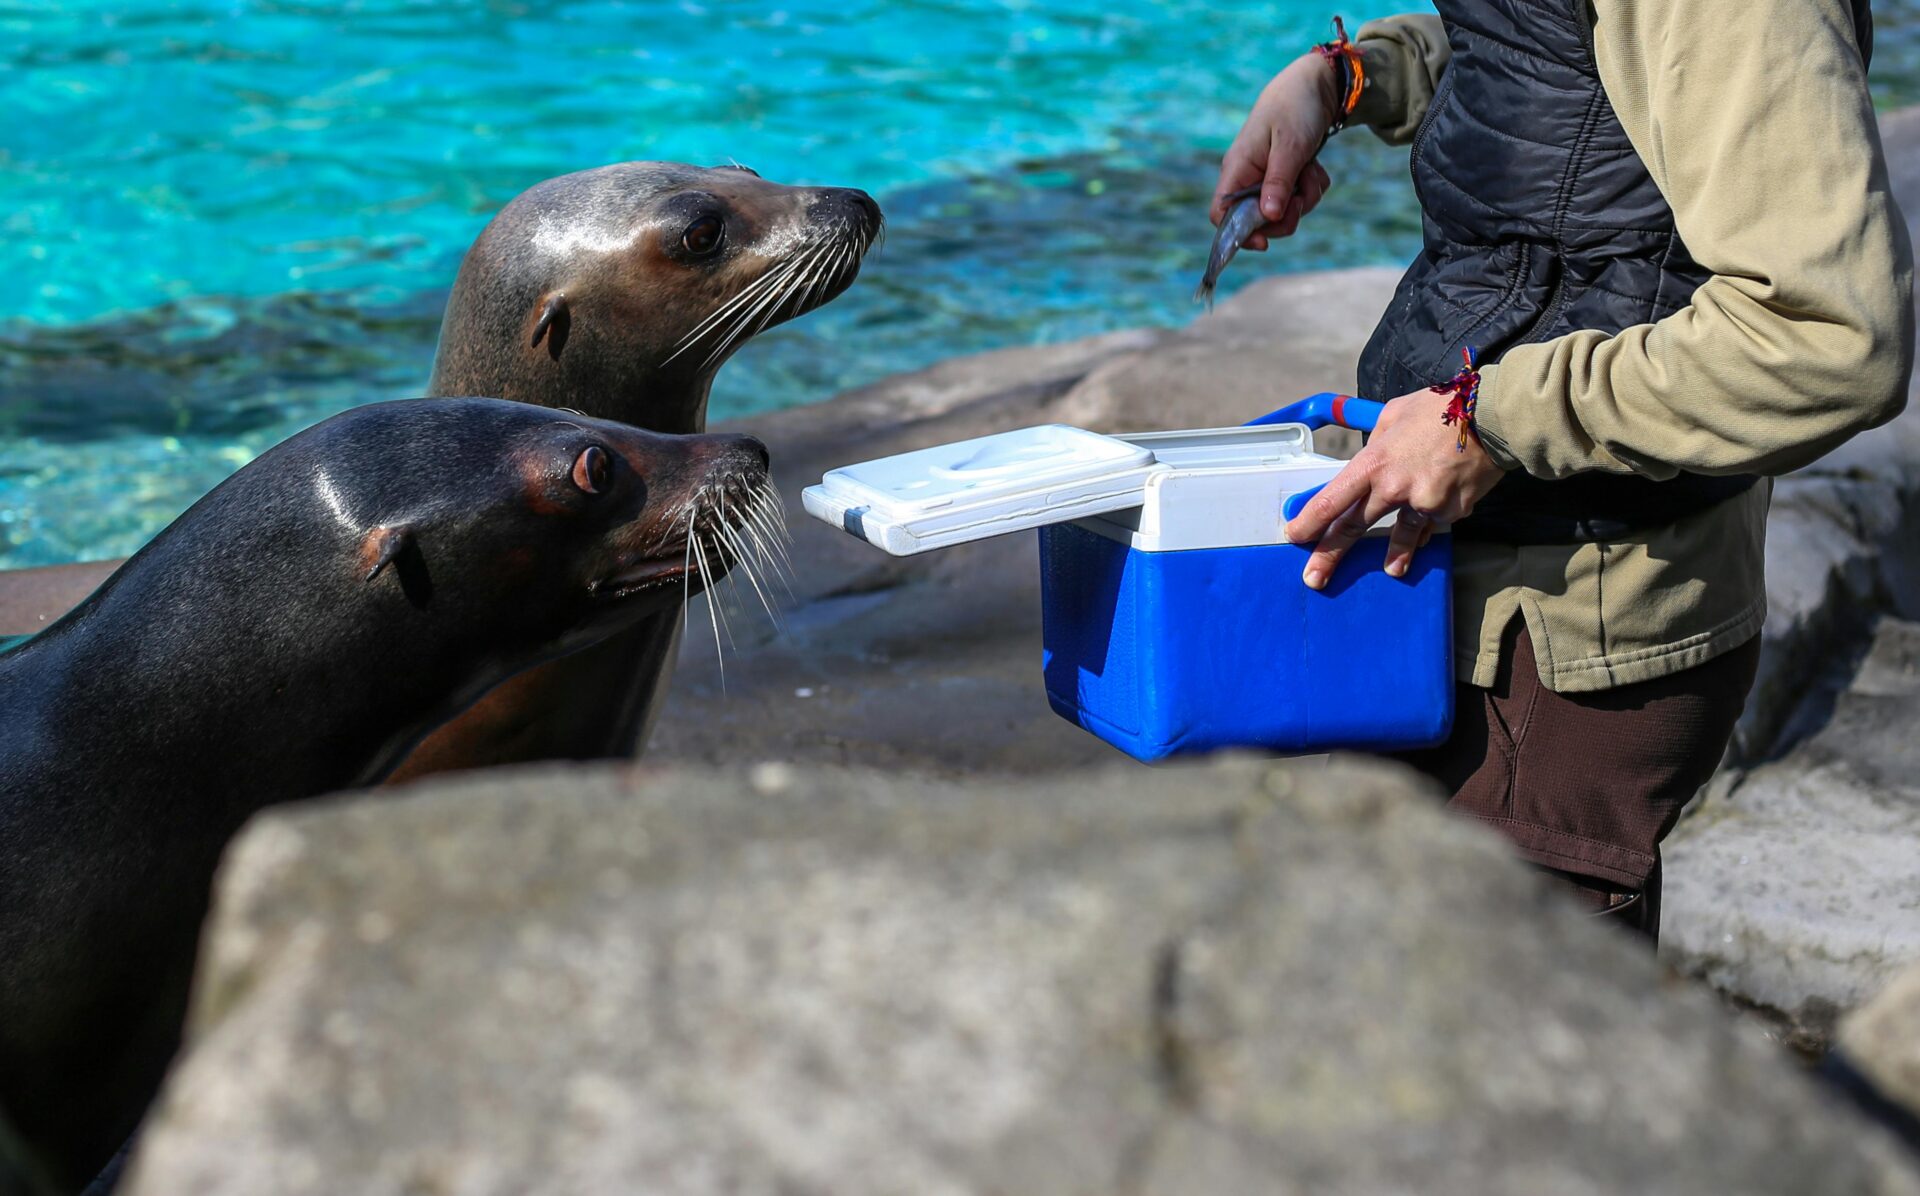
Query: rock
[(1882, 1040), (1843, 544), (1234, 978), (1794, 886)]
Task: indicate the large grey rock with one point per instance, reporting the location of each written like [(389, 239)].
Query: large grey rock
[(1882, 1040), (1843, 545), (1796, 886), (1235, 979)]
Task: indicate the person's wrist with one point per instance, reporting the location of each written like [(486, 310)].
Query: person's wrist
[(1323, 81), (1487, 421)]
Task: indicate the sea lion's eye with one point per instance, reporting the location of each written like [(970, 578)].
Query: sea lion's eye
[(593, 470), (703, 235)]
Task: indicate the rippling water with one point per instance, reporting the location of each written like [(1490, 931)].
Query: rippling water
[(225, 221)]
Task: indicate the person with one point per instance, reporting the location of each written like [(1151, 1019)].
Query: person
[(1662, 236)]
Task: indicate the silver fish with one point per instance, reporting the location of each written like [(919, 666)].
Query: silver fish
[(1243, 216)]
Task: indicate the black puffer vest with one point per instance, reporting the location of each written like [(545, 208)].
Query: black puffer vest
[(1540, 220)]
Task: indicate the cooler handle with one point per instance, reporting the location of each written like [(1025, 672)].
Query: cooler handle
[(1318, 411), (1324, 409), (1295, 503)]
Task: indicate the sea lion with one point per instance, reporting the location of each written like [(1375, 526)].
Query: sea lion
[(619, 292), (294, 633)]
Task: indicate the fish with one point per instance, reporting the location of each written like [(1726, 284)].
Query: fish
[(1242, 218)]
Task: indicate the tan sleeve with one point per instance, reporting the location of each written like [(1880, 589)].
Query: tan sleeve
[(1754, 119), (1404, 58)]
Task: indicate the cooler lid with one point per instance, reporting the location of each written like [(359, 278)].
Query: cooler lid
[(972, 489)]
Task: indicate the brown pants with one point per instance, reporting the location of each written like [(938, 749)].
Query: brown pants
[(1586, 785)]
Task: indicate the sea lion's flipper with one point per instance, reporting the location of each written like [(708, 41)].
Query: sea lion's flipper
[(555, 319), (382, 547)]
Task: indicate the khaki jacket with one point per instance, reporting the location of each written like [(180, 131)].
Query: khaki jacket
[(1754, 119)]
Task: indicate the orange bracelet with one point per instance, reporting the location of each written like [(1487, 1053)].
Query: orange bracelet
[(1345, 58)]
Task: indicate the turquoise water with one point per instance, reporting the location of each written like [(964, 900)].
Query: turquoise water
[(223, 222)]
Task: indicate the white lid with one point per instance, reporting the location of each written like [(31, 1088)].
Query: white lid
[(973, 489), (1231, 481)]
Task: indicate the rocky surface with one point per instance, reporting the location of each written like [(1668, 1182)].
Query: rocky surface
[(1229, 979), (1796, 885), (1882, 1039)]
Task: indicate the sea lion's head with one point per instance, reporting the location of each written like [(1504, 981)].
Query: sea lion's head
[(619, 291), (534, 531), (464, 539)]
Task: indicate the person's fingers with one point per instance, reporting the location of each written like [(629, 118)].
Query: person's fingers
[(1426, 534), (1350, 485), (1313, 187), (1256, 242), (1291, 222), (1409, 532), (1238, 170), (1282, 171), (1345, 532)]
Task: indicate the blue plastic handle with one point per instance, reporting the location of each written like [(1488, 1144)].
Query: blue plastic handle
[(1319, 411), (1326, 409), (1290, 509)]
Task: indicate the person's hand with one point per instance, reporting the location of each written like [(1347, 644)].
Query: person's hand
[(1413, 464), (1276, 147)]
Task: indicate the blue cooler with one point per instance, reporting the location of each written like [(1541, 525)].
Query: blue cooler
[(1174, 618)]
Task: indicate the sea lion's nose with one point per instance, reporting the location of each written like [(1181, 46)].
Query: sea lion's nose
[(742, 450), (856, 203)]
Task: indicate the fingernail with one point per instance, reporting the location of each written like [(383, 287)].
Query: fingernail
[(1316, 579), (1271, 205), (1396, 568)]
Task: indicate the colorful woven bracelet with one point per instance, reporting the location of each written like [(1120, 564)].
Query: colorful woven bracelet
[(1465, 391), (1344, 57)]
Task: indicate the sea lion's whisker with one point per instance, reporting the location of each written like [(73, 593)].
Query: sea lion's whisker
[(794, 282), (713, 609), (778, 281), (720, 314), (768, 514), (757, 521), (766, 308), (750, 294), (738, 315), (686, 573), (766, 558), (748, 562), (816, 272), (779, 565), (732, 538)]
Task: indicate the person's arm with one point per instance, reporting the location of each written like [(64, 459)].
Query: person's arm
[(1403, 57), (1754, 119)]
